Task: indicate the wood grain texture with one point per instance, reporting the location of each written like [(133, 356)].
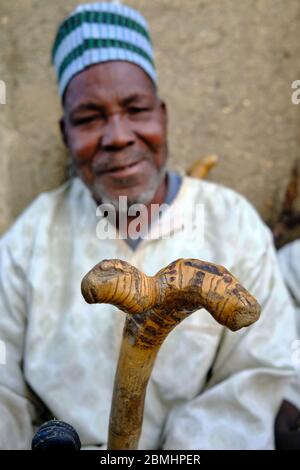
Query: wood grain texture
[(154, 305)]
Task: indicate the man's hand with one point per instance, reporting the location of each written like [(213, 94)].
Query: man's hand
[(287, 427)]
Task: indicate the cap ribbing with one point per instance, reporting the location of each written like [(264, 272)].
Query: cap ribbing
[(101, 32)]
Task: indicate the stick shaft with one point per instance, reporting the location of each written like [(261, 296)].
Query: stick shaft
[(127, 408)]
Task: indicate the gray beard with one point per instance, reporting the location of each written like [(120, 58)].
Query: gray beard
[(144, 198)]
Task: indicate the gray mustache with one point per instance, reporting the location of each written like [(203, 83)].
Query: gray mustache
[(100, 166)]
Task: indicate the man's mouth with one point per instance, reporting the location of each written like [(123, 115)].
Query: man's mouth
[(122, 170)]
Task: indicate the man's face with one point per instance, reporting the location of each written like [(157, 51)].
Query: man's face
[(115, 128)]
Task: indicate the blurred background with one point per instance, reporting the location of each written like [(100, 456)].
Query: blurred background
[(225, 70)]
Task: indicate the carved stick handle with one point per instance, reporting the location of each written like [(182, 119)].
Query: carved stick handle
[(154, 305)]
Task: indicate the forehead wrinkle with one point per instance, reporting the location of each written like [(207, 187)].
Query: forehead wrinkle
[(99, 102), (108, 83), (89, 106)]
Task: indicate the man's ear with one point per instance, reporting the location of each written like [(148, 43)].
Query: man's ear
[(164, 109), (63, 131)]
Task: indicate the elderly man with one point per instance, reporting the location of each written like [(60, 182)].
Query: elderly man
[(210, 388)]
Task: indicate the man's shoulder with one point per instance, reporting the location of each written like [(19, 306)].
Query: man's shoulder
[(227, 214), (49, 198), (39, 209), (218, 197)]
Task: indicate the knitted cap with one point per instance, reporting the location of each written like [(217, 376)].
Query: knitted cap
[(100, 32)]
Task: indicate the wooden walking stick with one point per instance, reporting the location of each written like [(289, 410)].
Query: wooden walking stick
[(201, 167), (154, 305)]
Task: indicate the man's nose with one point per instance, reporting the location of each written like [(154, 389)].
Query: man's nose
[(117, 133)]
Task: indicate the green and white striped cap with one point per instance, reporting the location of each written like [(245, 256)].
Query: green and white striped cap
[(100, 32)]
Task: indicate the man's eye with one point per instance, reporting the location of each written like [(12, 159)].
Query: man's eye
[(136, 110), (84, 120)]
